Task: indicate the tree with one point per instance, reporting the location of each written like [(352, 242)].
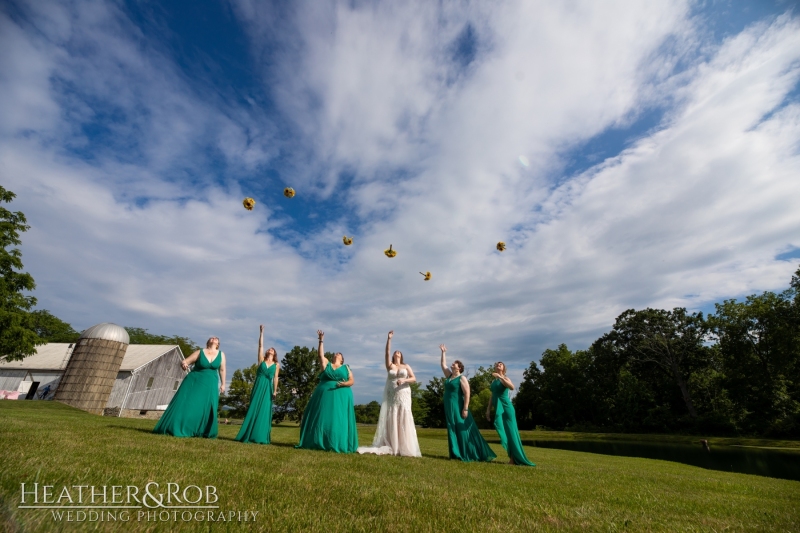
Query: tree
[(238, 395), (528, 398), (298, 378), (419, 409), (433, 396), (17, 339), (667, 340), (759, 344), (369, 413), (51, 328), (141, 336)]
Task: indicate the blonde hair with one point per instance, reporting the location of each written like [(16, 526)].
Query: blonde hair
[(274, 354), (500, 363)]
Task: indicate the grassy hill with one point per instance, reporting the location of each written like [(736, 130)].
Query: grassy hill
[(299, 490)]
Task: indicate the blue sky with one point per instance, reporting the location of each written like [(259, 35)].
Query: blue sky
[(661, 142)]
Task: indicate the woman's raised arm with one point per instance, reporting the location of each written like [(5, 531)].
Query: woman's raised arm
[(323, 361), (389, 350), (443, 362), (260, 354)]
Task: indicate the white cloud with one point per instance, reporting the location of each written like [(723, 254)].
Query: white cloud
[(689, 214)]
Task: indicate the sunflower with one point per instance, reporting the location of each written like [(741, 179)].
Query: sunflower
[(427, 275), (347, 240), (501, 246), (390, 252), (249, 203), (288, 192)]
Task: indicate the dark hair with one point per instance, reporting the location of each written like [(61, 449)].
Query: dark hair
[(460, 366), (338, 353), (401, 356), (211, 340)]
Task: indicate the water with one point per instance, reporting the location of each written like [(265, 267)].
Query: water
[(783, 464)]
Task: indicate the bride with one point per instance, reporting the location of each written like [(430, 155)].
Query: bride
[(395, 434)]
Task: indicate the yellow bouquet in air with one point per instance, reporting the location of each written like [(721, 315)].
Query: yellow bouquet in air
[(347, 240), (390, 252), (249, 203), (288, 192), (426, 276)]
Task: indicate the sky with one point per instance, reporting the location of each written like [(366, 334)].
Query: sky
[(630, 154)]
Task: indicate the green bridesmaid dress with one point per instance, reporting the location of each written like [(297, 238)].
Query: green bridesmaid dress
[(257, 424), (505, 422), (464, 439), (329, 421), (193, 410)]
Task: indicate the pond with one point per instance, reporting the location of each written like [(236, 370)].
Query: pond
[(779, 463)]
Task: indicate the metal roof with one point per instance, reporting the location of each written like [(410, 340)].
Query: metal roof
[(107, 331), (53, 356)]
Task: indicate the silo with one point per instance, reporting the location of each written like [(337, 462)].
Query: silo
[(90, 373)]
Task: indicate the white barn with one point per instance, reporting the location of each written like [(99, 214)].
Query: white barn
[(147, 380)]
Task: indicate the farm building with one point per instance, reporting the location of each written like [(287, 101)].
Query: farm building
[(147, 379)]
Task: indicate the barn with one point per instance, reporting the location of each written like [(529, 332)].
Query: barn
[(146, 382)]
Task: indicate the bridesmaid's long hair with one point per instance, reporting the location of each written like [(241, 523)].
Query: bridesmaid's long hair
[(460, 366), (500, 363), (274, 355)]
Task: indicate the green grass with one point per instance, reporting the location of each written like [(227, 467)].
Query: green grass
[(299, 490)]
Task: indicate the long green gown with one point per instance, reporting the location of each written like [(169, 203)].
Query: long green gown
[(257, 424), (193, 410), (329, 421), (464, 439), (505, 422)]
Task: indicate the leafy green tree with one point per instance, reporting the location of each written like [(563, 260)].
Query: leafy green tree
[(237, 399), (480, 380), (433, 396), (565, 387), (671, 341), (51, 328), (419, 409), (298, 378), (141, 336), (759, 343), (369, 413), (477, 406), (17, 338), (528, 399)]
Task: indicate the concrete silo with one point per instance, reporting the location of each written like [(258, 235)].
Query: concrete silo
[(92, 368)]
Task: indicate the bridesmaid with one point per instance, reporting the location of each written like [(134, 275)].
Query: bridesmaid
[(505, 419), (257, 425), (464, 439), (329, 421), (193, 410)]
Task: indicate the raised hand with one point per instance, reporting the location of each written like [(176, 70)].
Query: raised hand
[(443, 348), (320, 334), (261, 328), (391, 334)]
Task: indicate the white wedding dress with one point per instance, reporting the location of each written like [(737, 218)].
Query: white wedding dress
[(395, 434)]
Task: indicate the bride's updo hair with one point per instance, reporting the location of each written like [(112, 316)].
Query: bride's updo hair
[(460, 366), (401, 356)]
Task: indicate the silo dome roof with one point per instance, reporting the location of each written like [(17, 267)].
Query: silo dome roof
[(108, 332)]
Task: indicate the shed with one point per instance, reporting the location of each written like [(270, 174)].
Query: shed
[(145, 384)]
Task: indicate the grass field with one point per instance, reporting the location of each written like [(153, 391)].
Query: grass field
[(299, 490)]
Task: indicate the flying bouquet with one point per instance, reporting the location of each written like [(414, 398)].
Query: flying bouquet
[(501, 246), (426, 276), (288, 192), (249, 203), (390, 252), (347, 240)]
